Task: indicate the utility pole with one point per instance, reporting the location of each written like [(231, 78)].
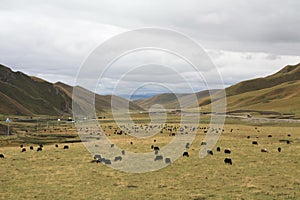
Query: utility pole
[(7, 121)]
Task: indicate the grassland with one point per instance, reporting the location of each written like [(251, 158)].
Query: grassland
[(56, 173)]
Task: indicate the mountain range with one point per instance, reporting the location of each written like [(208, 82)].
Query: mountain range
[(21, 94), (277, 94)]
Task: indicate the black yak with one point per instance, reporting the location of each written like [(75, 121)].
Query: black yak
[(228, 161), (227, 151), (159, 157), (186, 154)]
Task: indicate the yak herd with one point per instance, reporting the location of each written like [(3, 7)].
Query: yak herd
[(180, 130), (170, 129), (31, 148)]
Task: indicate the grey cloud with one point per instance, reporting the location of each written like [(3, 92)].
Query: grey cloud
[(273, 57), (245, 39), (251, 23)]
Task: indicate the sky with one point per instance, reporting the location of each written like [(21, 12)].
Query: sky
[(244, 39)]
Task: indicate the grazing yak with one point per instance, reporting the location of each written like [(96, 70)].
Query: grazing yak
[(228, 161), (31, 147), (210, 152), (103, 160), (255, 142), (99, 160), (218, 149), (23, 150), (158, 157), (118, 158), (168, 160), (39, 149), (203, 143), (279, 149), (120, 133), (97, 156), (156, 148), (107, 161), (187, 146), (66, 147), (1, 155), (185, 154), (227, 151), (264, 150), (123, 152)]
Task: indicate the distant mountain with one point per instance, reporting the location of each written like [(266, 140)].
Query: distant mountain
[(283, 98), (171, 101), (287, 74), (21, 94), (278, 93)]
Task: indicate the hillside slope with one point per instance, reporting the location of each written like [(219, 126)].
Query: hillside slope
[(103, 103), (24, 95), (21, 94), (282, 99), (278, 93), (171, 101), (288, 73)]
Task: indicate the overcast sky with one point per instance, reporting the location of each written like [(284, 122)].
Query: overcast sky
[(244, 39)]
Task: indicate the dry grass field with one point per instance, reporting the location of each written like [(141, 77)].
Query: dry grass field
[(57, 173)]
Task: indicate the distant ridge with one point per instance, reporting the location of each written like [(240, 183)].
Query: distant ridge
[(170, 101), (21, 94), (288, 73), (278, 93), (102, 102)]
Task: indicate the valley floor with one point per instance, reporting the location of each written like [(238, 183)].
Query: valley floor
[(57, 173)]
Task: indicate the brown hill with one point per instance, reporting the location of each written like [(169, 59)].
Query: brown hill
[(103, 103), (278, 93), (24, 95), (288, 73), (171, 101), (21, 94), (283, 98)]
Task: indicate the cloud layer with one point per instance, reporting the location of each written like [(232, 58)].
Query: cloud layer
[(245, 39)]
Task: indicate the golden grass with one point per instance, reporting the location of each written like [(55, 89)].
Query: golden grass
[(281, 98), (69, 174)]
